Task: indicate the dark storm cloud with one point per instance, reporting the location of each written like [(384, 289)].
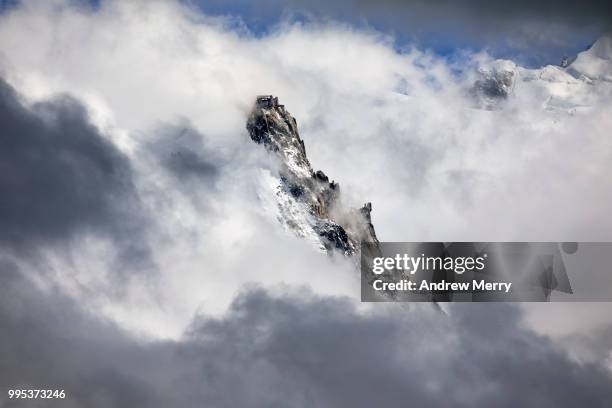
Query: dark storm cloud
[(572, 11), (47, 342), (481, 13), (533, 32), (321, 352), (290, 351), (58, 175), (180, 149)]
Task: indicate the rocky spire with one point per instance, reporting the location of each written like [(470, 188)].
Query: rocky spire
[(308, 202)]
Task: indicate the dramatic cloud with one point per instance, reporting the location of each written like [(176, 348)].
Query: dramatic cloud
[(163, 93)]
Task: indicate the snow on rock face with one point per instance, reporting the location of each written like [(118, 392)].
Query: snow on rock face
[(308, 204)]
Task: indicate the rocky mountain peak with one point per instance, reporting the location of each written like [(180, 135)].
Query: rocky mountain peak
[(308, 203)]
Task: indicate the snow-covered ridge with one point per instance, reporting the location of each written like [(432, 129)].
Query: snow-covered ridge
[(307, 202), (568, 87), (594, 63)]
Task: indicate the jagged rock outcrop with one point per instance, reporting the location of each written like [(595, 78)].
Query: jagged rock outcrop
[(308, 202)]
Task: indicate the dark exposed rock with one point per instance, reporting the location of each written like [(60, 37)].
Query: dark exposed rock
[(493, 86), (335, 237), (296, 190), (319, 175), (496, 84)]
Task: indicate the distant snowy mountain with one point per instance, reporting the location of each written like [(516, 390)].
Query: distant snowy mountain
[(306, 201), (571, 87), (594, 64)]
